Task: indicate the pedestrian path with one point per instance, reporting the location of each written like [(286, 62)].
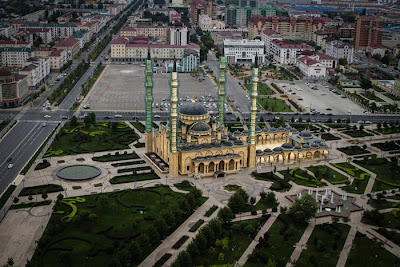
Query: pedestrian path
[(347, 247), (301, 244)]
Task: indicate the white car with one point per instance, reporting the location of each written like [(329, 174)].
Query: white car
[(157, 116), (10, 166), (117, 116), (47, 116)]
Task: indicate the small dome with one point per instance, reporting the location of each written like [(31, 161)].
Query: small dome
[(258, 128), (306, 147), (280, 129), (322, 144), (288, 128), (267, 151), (259, 152), (277, 149), (245, 131), (297, 148), (228, 143), (4, 71), (265, 130), (294, 131), (193, 109), (272, 130), (314, 145), (200, 127), (224, 137), (237, 132), (305, 134), (287, 146), (238, 142)]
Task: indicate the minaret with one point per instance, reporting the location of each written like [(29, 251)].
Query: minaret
[(253, 116), (173, 156), (148, 84), (221, 90)]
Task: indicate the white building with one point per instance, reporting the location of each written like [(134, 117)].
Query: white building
[(37, 70), (6, 30), (58, 30), (311, 68), (378, 50), (267, 37), (244, 51), (287, 54), (58, 58), (179, 36), (338, 50), (15, 56), (205, 22)]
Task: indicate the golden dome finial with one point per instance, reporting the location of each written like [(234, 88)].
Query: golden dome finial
[(193, 101)]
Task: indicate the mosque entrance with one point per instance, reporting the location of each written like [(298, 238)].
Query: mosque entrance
[(221, 165)]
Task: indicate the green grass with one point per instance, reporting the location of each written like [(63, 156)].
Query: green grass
[(184, 186), (336, 125), (136, 169), (211, 210), (353, 150), (264, 204), (388, 173), (301, 177), (98, 137), (119, 221), (279, 184), (360, 181), (327, 173), (128, 163), (381, 204), (116, 157), (388, 220), (129, 178), (196, 225), (139, 145), (3, 124), (40, 189), (389, 130), (42, 165), (236, 242), (357, 133), (6, 195), (372, 96), (180, 242), (324, 245), (232, 187), (387, 146), (139, 126), (283, 235), (162, 260), (391, 235), (274, 105), (263, 89), (329, 137), (30, 204), (367, 252)]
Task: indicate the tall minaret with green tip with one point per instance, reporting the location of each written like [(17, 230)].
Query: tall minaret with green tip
[(253, 115), (173, 156), (221, 90), (148, 84)]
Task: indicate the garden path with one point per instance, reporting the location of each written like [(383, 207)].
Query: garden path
[(347, 247), (302, 243)]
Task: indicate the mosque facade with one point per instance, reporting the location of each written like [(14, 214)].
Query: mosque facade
[(195, 143)]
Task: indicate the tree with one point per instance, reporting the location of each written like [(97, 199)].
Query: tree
[(10, 261), (221, 257), (60, 197), (263, 195), (193, 38), (135, 250), (203, 53), (124, 257), (252, 200), (74, 121), (237, 202), (271, 263), (44, 195), (226, 214), (30, 198), (16, 200), (184, 259), (343, 61), (161, 225), (270, 197), (303, 209)]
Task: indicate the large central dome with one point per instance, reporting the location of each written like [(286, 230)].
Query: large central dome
[(193, 109)]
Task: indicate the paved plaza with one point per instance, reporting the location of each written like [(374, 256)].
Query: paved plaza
[(321, 99), (121, 88)]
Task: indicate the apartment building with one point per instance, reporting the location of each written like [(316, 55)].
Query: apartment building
[(287, 53), (338, 50), (36, 71), (58, 30), (267, 37), (71, 45), (239, 16), (368, 32), (157, 32), (15, 56), (13, 88), (178, 36), (244, 51), (83, 36), (202, 7)]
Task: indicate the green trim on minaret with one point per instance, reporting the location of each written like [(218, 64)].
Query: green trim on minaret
[(253, 103), (221, 91), (148, 84)]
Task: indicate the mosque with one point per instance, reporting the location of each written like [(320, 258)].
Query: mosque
[(195, 143)]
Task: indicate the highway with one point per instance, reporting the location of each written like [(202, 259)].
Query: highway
[(22, 141)]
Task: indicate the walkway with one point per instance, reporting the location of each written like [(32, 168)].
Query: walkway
[(347, 247), (301, 244)]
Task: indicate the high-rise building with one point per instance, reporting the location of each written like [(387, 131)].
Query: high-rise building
[(368, 32), (239, 16), (202, 7), (13, 88), (178, 36)]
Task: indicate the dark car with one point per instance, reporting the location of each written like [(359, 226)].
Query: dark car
[(9, 159)]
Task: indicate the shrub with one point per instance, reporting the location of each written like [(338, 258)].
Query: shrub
[(253, 212), (275, 209)]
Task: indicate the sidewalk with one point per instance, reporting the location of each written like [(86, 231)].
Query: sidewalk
[(347, 247), (301, 244)]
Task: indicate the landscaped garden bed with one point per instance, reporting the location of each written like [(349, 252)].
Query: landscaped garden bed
[(263, 89), (353, 150), (139, 126), (180, 242), (42, 165), (40, 189), (279, 184), (78, 138), (324, 245), (185, 185), (122, 227), (329, 137), (231, 187), (30, 204), (129, 178), (301, 177), (211, 211), (162, 260), (128, 163), (116, 157), (360, 181), (6, 195), (274, 105), (357, 133), (329, 174), (196, 225), (135, 170), (388, 145)]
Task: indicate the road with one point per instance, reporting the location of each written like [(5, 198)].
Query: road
[(362, 59), (21, 143)]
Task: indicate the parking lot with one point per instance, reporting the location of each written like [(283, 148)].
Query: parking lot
[(321, 100), (121, 88)]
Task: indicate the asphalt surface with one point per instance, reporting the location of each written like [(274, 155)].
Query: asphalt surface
[(23, 140)]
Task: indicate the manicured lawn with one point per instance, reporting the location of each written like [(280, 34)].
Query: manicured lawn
[(372, 96), (329, 174), (381, 204), (264, 204), (387, 146), (184, 185), (274, 105), (116, 157), (128, 163), (360, 181), (30, 204), (136, 169), (301, 177), (105, 224), (196, 225), (6, 195), (236, 241), (98, 137), (324, 245), (389, 130), (353, 150), (283, 235), (391, 235), (336, 125), (40, 189), (232, 187), (129, 178), (388, 173), (329, 137), (42, 165), (139, 126), (357, 133), (367, 252), (279, 184), (388, 220), (263, 89)]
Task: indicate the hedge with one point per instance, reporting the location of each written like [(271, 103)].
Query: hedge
[(211, 211), (40, 189), (180, 242), (196, 226), (31, 204), (6, 195)]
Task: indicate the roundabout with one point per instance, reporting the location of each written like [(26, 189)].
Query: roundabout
[(78, 172)]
